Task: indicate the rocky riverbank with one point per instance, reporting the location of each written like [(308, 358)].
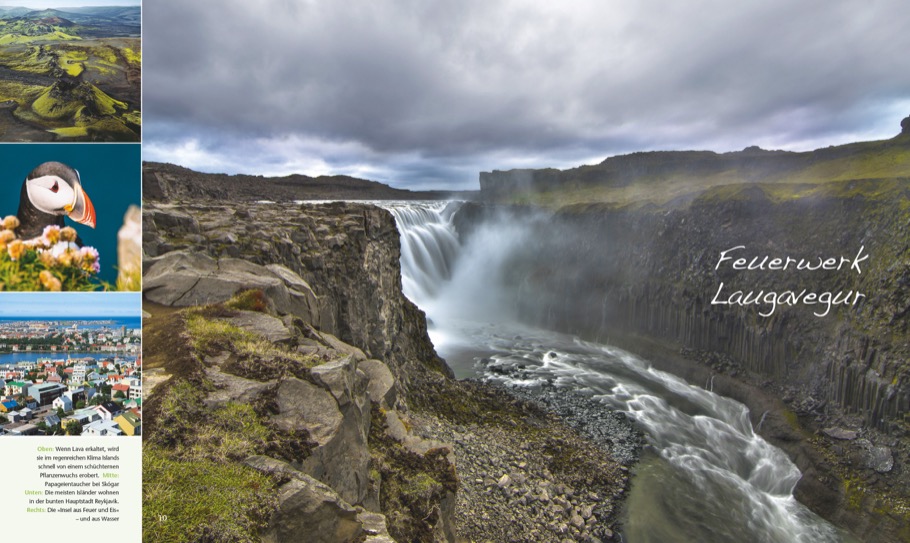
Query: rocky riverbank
[(833, 388), (524, 474), (282, 359)]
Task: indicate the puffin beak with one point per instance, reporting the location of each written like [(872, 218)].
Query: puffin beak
[(81, 210)]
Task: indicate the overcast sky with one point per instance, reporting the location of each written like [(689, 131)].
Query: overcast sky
[(425, 94)]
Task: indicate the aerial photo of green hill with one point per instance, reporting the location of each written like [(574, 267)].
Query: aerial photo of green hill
[(70, 73)]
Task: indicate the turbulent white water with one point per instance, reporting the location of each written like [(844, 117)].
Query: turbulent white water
[(713, 478), (428, 247)]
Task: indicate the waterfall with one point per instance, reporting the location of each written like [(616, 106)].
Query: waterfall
[(455, 281), (429, 246), (715, 479)]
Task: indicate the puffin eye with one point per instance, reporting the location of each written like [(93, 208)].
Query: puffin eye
[(56, 187)]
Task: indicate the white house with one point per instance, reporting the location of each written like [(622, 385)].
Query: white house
[(108, 410), (79, 373), (135, 388), (63, 402), (102, 428)]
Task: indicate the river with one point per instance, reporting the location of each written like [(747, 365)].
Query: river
[(706, 476)]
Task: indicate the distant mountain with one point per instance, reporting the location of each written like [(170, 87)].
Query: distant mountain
[(99, 22), (168, 182), (55, 21), (9, 12), (662, 176), (43, 14), (123, 14), (45, 25)]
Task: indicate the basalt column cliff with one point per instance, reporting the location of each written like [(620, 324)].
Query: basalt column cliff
[(641, 251)]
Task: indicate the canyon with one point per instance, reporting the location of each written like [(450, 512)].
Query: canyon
[(614, 268)]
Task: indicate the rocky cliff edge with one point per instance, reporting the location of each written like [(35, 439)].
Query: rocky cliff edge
[(292, 394)]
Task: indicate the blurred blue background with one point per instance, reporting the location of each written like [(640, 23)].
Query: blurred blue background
[(111, 176)]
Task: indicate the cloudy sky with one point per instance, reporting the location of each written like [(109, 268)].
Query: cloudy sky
[(425, 94)]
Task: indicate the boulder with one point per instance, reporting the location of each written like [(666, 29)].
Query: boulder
[(305, 406), (298, 286), (333, 342), (875, 457), (173, 275), (289, 299), (342, 379), (344, 462), (231, 388), (417, 445), (172, 220), (151, 243), (374, 525), (308, 510), (840, 433), (183, 278), (342, 456), (381, 387), (267, 326)]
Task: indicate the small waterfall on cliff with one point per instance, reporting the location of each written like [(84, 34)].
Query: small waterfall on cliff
[(457, 285), (712, 477), (429, 246)]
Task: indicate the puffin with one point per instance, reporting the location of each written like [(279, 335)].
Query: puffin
[(50, 192)]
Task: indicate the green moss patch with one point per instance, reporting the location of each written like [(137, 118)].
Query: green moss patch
[(71, 132), (466, 402), (256, 357), (133, 56), (249, 300), (51, 107), (195, 451), (212, 335), (18, 92), (203, 500), (412, 486)]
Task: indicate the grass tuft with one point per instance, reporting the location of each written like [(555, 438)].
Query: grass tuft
[(238, 501), (249, 300)]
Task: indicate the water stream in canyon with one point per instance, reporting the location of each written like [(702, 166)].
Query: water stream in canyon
[(707, 476)]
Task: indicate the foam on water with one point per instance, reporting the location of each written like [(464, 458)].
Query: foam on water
[(742, 485)]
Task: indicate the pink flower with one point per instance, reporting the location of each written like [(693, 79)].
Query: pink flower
[(10, 222), (49, 281), (61, 248), (90, 259), (68, 233), (46, 259), (51, 234), (16, 249)]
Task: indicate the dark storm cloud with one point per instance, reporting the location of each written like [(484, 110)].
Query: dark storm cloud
[(427, 93)]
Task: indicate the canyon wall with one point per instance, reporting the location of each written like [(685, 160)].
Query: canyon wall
[(597, 270), (346, 254), (835, 388), (291, 319)]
